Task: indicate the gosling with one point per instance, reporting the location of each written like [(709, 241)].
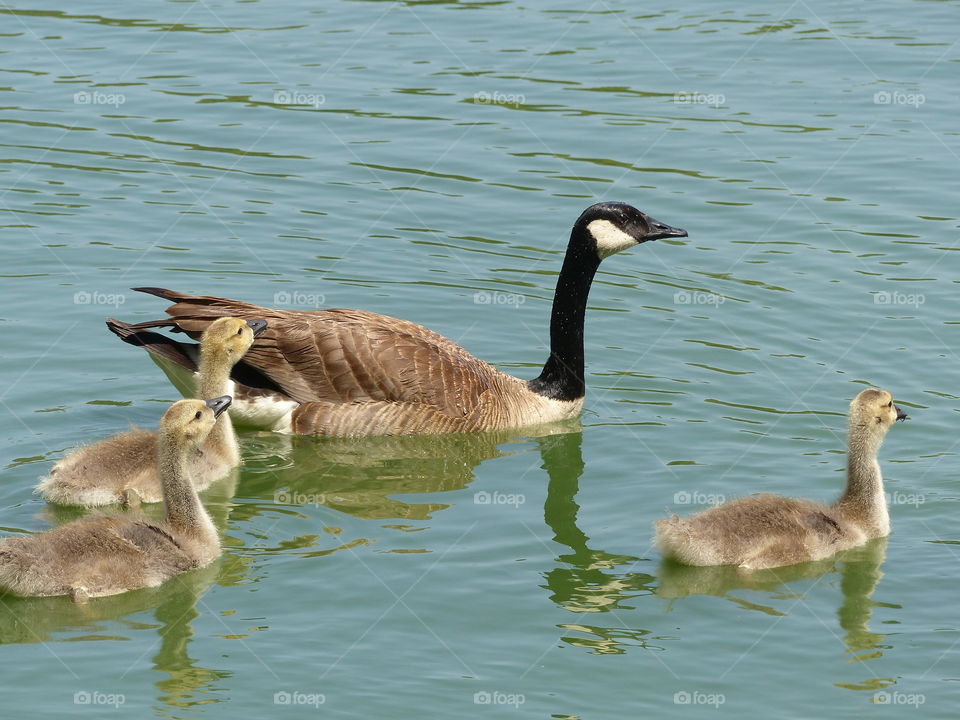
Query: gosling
[(767, 531), (123, 468), (111, 554)]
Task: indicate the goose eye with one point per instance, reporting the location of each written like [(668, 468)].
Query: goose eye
[(239, 331), (890, 404), (198, 415)]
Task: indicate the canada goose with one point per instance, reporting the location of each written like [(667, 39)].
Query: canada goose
[(349, 372), (110, 554), (765, 531), (123, 468)]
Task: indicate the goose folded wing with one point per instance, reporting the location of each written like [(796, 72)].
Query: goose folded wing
[(346, 356)]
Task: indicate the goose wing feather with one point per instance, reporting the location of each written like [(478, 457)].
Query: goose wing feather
[(346, 356)]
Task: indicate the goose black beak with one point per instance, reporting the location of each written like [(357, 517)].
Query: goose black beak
[(218, 404), (258, 326), (901, 415), (660, 230)]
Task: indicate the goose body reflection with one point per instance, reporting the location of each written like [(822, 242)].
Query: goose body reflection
[(585, 580), (361, 477)]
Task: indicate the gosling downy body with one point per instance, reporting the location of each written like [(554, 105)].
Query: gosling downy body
[(110, 554), (123, 468), (348, 372), (766, 531)]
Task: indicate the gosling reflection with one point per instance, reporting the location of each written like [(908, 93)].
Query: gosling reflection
[(183, 684), (858, 580), (586, 581), (859, 570)]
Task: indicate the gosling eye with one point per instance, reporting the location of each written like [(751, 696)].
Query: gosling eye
[(240, 331), (198, 415)]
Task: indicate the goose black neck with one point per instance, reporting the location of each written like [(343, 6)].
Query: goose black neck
[(562, 375)]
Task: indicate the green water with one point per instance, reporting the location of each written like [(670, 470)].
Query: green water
[(427, 160)]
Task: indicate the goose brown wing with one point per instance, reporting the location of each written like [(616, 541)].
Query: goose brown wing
[(345, 356)]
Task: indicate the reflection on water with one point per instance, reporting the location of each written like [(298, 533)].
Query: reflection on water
[(859, 570), (586, 580), (120, 617), (359, 476), (174, 605), (427, 159)]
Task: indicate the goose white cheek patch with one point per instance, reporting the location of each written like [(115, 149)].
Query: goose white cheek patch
[(610, 239)]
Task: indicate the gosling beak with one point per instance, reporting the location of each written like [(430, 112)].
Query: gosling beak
[(901, 415), (258, 326), (218, 404), (660, 230)]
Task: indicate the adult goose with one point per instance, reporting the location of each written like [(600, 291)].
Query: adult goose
[(350, 372), (767, 531), (110, 554)]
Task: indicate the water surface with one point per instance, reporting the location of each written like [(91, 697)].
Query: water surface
[(427, 160)]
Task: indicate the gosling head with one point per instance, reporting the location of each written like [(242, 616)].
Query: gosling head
[(230, 337), (188, 422), (612, 226), (873, 409)]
